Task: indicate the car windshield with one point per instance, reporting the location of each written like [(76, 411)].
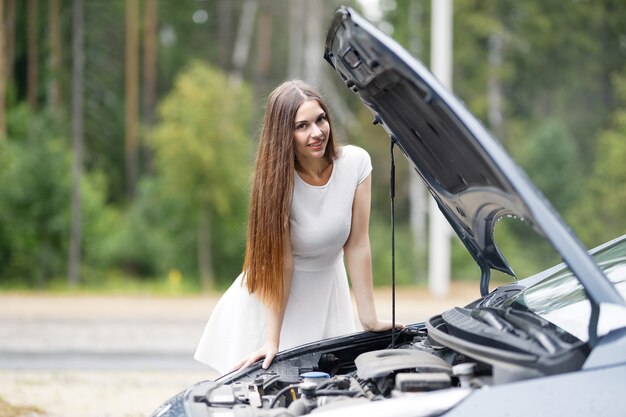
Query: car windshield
[(561, 299)]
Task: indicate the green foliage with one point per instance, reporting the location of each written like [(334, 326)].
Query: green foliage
[(410, 21), (136, 245), (549, 155), (35, 166), (104, 108), (463, 266), (203, 154), (33, 210), (201, 145), (33, 196), (525, 251), (474, 23), (154, 237), (600, 212), (99, 220), (563, 58), (564, 122), (380, 239)]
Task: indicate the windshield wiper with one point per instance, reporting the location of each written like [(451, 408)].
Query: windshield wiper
[(528, 323), (524, 326), (493, 320)]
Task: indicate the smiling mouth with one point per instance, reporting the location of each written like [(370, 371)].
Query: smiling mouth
[(316, 144)]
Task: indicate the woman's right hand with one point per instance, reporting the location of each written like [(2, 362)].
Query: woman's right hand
[(267, 351)]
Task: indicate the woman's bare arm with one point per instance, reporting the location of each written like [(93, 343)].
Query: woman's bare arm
[(358, 257)]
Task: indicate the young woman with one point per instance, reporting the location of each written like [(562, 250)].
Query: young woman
[(309, 210)]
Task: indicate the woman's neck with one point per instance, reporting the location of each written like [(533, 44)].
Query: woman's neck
[(314, 172)]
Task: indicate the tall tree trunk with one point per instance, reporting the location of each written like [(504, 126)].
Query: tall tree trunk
[(224, 32), (205, 258), (296, 38), (263, 45), (9, 42), (54, 35), (73, 275), (241, 50), (32, 54), (314, 42), (132, 78), (149, 73), (150, 60), (3, 76)]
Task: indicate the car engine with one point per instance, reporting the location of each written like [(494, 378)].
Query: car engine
[(328, 380)]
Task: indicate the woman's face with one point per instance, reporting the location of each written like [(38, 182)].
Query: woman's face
[(311, 131)]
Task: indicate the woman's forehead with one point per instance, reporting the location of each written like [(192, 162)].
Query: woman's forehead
[(308, 110)]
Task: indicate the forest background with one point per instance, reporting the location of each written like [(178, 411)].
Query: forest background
[(128, 129)]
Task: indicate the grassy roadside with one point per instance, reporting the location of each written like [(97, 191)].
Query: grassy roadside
[(173, 286), (8, 410)]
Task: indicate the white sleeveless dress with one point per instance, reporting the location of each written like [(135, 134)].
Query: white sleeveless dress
[(319, 304)]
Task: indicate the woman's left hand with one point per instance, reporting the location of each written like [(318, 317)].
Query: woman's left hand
[(267, 351)]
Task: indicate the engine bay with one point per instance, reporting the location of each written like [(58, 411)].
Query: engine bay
[(449, 356), (335, 378)]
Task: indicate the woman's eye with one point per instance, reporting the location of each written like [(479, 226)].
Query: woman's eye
[(321, 119), (301, 126)]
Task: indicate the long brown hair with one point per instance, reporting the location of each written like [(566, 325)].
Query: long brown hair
[(272, 188)]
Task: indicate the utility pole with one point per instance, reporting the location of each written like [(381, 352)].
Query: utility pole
[(439, 230)]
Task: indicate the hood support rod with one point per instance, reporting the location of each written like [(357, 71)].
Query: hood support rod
[(485, 274), (392, 194)]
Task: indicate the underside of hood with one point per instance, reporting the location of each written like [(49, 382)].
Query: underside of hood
[(473, 180)]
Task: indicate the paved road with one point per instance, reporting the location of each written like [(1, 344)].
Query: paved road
[(90, 356), (128, 344), (139, 333), (100, 333)]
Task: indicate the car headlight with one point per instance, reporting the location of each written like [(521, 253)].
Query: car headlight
[(174, 407)]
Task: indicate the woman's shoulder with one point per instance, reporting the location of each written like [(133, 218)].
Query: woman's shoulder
[(353, 152), (355, 160)]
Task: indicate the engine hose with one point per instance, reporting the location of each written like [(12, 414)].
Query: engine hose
[(335, 392), (281, 393)]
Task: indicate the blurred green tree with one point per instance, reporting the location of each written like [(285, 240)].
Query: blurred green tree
[(35, 167), (550, 157), (600, 210), (203, 151)]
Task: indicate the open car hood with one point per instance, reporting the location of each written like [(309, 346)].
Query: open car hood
[(473, 180)]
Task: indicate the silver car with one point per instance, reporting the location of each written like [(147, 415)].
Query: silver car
[(553, 344)]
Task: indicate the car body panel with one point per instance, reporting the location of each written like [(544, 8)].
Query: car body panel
[(569, 394)]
